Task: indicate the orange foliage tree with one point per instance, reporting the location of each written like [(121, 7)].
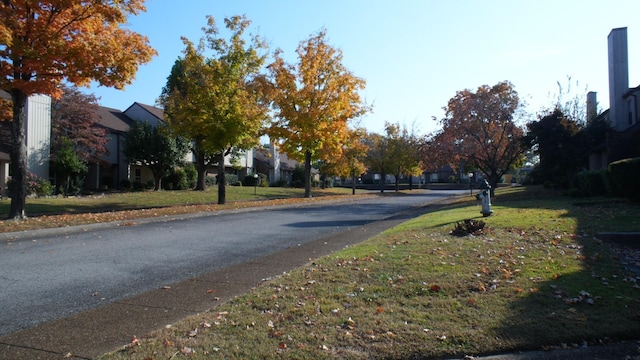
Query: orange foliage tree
[(313, 102), (43, 43), (480, 131)]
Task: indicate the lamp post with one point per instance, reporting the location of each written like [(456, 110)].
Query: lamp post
[(255, 184), (470, 186)]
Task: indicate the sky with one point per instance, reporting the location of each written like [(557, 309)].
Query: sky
[(413, 54)]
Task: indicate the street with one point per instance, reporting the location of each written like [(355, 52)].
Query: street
[(52, 275)]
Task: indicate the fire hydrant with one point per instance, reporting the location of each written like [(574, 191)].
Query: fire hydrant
[(485, 197)]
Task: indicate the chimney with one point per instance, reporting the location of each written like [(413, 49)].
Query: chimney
[(592, 106), (618, 77)]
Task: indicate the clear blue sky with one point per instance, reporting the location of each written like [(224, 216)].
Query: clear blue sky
[(414, 54)]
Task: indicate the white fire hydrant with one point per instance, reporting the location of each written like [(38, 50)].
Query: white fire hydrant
[(485, 197)]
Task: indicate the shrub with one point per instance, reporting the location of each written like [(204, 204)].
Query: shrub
[(280, 183), (191, 175), (35, 186), (574, 192), (177, 180), (211, 180), (623, 176), (593, 183), (328, 182), (231, 178), (125, 184)]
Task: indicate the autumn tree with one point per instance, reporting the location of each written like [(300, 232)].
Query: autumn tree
[(404, 148), (351, 161), (480, 130), (314, 102), (156, 148), (380, 156), (44, 42), (74, 116), (214, 101)]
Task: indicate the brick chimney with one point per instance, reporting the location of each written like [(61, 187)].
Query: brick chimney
[(618, 77)]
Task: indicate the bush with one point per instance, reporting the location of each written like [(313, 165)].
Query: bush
[(281, 183), (191, 175), (125, 184), (210, 180), (623, 178), (230, 178), (35, 186), (593, 183), (177, 180), (328, 182)]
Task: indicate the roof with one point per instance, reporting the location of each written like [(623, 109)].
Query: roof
[(113, 119), (155, 111)]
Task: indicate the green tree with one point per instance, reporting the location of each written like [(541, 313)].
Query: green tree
[(156, 148), (313, 103), (44, 43), (214, 101), (404, 147), (380, 156), (69, 166)]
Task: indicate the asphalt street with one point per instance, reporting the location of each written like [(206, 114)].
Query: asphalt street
[(52, 274)]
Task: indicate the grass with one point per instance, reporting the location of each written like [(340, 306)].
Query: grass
[(60, 211), (536, 278)]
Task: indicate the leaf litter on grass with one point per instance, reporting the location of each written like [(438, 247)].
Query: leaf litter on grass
[(417, 291)]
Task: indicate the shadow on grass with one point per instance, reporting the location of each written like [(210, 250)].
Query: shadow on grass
[(596, 304)]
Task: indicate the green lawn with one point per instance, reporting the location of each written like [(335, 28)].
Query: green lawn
[(535, 278)]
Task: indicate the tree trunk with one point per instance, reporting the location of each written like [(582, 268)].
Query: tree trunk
[(157, 181), (410, 182), (493, 180), (383, 178), (307, 174), (18, 157), (353, 184), (222, 189), (201, 167), (398, 180)]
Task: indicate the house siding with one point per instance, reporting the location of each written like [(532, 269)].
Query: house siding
[(38, 132)]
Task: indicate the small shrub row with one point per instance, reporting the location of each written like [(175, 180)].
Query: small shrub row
[(619, 179)]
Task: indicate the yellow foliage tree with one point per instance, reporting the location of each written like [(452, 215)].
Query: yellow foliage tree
[(215, 101), (350, 162), (313, 102), (44, 42)]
